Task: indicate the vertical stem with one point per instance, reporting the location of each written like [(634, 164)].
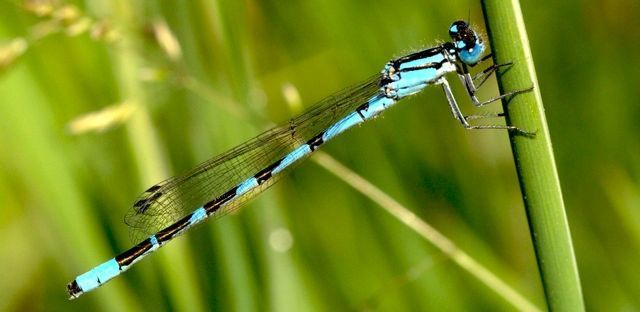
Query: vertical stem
[(534, 160)]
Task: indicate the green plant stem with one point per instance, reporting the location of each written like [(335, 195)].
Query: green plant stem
[(534, 157)]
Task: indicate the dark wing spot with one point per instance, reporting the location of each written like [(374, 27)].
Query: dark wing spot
[(144, 203)]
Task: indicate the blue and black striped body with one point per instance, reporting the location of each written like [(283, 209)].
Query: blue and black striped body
[(219, 186)]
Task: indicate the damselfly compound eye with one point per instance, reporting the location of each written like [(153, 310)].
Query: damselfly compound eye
[(468, 44)]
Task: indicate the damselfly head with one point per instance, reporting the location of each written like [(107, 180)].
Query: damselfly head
[(469, 45)]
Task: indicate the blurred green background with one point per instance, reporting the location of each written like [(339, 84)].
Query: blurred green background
[(99, 100)]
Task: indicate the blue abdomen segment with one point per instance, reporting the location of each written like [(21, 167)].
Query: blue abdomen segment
[(102, 273), (96, 277), (292, 157), (198, 216), (246, 186), (376, 106), (343, 124)]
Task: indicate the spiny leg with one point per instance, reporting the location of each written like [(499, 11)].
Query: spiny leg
[(486, 73), (497, 115), (455, 110), (499, 97), (483, 59), (483, 116), (469, 84)]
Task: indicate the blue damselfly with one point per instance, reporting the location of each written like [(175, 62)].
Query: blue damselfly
[(224, 183)]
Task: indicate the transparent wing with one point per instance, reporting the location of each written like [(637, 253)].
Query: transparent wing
[(168, 201)]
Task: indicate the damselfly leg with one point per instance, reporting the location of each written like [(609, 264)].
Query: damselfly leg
[(472, 84), (464, 120)]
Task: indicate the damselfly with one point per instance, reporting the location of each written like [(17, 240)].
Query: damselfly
[(224, 183)]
